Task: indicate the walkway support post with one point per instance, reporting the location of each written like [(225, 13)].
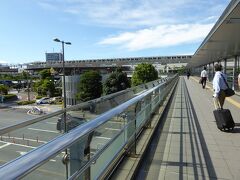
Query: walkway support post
[(237, 68), (234, 77), (225, 66), (212, 70), (209, 70)]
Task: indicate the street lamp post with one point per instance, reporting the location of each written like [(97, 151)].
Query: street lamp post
[(64, 93), (63, 65), (64, 85)]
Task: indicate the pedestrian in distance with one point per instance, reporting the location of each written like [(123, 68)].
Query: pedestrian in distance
[(188, 74), (219, 86), (204, 75), (239, 81)]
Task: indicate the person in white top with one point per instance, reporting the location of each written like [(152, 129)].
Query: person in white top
[(219, 86), (204, 75), (239, 81)]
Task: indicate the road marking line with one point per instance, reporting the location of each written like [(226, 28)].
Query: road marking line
[(229, 99), (51, 123), (19, 145), (5, 145), (34, 129), (235, 103), (21, 152), (34, 140), (100, 137), (115, 122), (113, 129)]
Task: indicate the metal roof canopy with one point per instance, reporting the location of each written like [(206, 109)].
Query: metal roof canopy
[(223, 41)]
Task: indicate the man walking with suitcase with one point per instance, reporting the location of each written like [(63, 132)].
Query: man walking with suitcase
[(223, 117), (219, 86)]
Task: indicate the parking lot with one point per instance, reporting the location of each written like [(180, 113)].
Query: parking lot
[(23, 140)]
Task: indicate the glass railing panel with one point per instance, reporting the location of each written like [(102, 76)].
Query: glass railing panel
[(113, 151), (148, 107), (58, 167), (54, 169), (155, 101), (22, 140), (93, 152), (78, 117), (104, 134)]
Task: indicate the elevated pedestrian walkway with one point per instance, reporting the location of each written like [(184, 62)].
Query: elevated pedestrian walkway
[(188, 145)]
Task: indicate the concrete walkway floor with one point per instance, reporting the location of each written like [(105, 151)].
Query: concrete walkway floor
[(194, 147)]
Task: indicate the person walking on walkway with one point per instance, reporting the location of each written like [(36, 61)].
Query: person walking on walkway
[(204, 75), (239, 81), (219, 86), (188, 74)]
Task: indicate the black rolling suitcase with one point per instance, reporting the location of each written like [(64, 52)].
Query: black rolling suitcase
[(224, 119)]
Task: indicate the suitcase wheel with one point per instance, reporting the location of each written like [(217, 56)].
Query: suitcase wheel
[(227, 129)]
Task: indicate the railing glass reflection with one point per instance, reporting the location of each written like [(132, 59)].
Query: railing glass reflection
[(102, 137)]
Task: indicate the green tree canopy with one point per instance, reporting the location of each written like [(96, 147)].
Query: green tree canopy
[(45, 86), (90, 86), (45, 73), (25, 75), (144, 73), (3, 89), (48, 87), (117, 81)]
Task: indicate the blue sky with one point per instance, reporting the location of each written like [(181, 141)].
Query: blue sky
[(104, 28)]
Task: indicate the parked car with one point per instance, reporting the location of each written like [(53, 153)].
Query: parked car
[(56, 100), (72, 122), (44, 100)]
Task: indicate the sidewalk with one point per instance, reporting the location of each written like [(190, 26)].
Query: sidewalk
[(194, 147)]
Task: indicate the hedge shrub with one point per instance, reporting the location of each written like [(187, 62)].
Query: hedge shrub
[(10, 97), (25, 102)]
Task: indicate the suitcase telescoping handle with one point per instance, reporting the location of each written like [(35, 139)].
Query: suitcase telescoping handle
[(216, 103)]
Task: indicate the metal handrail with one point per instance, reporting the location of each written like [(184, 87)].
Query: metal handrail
[(25, 164), (16, 126)]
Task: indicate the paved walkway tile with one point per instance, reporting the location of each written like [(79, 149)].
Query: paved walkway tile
[(195, 148)]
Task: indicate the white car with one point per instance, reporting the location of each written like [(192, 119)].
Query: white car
[(44, 100)]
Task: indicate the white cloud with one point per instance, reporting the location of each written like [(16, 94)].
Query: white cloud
[(137, 13), (47, 6), (160, 36), (3, 62), (147, 23)]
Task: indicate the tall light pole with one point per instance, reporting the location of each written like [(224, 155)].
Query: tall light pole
[(63, 66), (64, 85), (64, 93)]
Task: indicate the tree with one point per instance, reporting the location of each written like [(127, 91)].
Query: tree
[(45, 86), (45, 73), (48, 87), (181, 70), (117, 81), (144, 73), (3, 89), (90, 86)]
